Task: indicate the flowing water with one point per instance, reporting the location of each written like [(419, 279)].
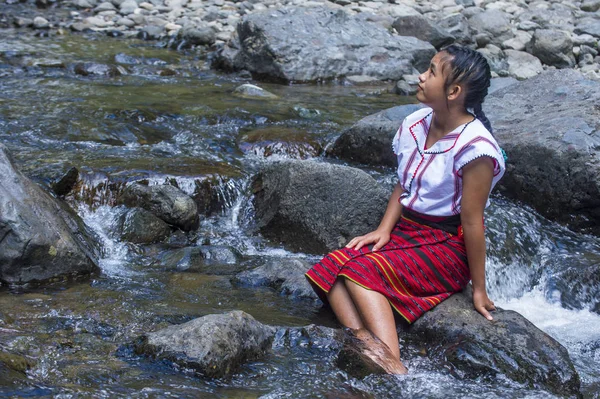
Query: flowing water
[(168, 117)]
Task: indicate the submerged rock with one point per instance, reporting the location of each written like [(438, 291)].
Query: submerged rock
[(279, 140), (316, 207), (87, 69), (457, 335), (311, 44), (42, 238), (214, 346), (208, 259), (165, 201)]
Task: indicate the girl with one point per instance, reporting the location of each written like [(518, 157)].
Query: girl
[(430, 242)]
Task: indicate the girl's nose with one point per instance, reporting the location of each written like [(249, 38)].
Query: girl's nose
[(422, 77)]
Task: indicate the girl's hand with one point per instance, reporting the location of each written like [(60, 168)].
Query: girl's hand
[(483, 304), (377, 237)]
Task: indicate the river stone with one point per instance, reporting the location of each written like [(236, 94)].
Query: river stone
[(142, 227), (40, 23), (590, 5), (556, 18), (214, 346), (165, 201), (522, 65), (279, 140), (248, 90), (285, 275), (65, 184), (369, 141), (128, 7), (41, 237), (458, 336), (422, 28), (197, 35), (207, 259), (88, 68), (578, 285), (590, 26), (496, 58), (313, 44), (553, 47), (548, 126), (315, 207), (494, 24), (456, 24), (106, 6)]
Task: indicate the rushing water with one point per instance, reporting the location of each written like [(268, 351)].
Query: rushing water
[(170, 117)]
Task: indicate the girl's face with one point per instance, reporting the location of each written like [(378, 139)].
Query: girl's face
[(431, 90)]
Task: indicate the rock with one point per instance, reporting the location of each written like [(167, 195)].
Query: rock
[(98, 22), (41, 237), (522, 65), (590, 26), (23, 22), (214, 194), (590, 5), (556, 18), (313, 44), (214, 346), (500, 83), (458, 336), (369, 141), (151, 32), (125, 22), (362, 80), (284, 275), (106, 6), (207, 259), (578, 285), (40, 23), (66, 183), (203, 36), (553, 47), (548, 127), (456, 25), (142, 227), (251, 91), (164, 201), (280, 140), (422, 28), (128, 7), (497, 59), (494, 24), (88, 68), (315, 207), (404, 88), (519, 42)]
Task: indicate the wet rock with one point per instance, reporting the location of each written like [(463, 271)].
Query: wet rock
[(578, 286), (142, 227), (279, 140), (197, 35), (13, 369), (459, 337), (41, 237), (214, 346), (93, 69), (522, 65), (553, 47), (311, 44), (369, 141), (66, 183), (315, 207), (284, 275), (493, 24), (251, 91), (207, 259), (164, 201), (422, 28), (548, 127), (214, 194)]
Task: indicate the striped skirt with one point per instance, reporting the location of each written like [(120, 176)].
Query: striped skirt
[(423, 264)]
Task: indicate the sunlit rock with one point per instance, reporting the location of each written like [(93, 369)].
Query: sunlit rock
[(251, 91)]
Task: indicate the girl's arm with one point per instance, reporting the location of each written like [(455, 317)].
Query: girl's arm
[(381, 236), (477, 180)]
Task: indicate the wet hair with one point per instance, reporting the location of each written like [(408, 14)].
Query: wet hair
[(469, 68)]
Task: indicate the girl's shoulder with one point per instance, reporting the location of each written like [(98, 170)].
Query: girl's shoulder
[(417, 116), (476, 134)]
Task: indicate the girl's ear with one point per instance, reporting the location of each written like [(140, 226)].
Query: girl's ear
[(454, 92)]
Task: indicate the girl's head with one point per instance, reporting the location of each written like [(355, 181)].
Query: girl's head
[(460, 75)]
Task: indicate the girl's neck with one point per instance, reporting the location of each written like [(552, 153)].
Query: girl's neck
[(446, 120)]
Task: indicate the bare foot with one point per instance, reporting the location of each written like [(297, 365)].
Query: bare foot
[(376, 350)]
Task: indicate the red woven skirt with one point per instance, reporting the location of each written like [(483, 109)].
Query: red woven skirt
[(420, 267)]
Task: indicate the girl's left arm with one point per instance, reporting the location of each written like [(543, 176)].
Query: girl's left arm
[(477, 178)]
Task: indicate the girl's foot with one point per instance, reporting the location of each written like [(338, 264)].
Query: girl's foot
[(377, 351)]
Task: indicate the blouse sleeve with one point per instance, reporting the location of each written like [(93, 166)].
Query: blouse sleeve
[(396, 140), (477, 148)]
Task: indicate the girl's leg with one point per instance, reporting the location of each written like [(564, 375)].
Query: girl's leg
[(343, 306), (376, 314)]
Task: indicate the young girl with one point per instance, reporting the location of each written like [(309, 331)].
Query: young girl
[(430, 242)]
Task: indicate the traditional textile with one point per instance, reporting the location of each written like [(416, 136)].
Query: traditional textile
[(432, 177), (419, 268)]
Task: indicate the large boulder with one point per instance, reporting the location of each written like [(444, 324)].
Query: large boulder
[(312, 44), (369, 141), (165, 201), (422, 28), (41, 238), (491, 26), (214, 346), (455, 334), (316, 207), (553, 47), (548, 125)]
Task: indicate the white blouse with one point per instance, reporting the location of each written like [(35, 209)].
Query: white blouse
[(432, 177)]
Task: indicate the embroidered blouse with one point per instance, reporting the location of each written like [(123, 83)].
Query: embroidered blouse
[(432, 177)]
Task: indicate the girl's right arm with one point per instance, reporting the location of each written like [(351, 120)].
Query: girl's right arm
[(381, 236)]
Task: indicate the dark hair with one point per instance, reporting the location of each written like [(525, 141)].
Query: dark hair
[(471, 69)]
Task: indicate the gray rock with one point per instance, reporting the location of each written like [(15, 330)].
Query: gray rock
[(125, 22), (496, 59), (369, 141), (590, 5), (456, 25), (152, 32), (578, 284), (40, 23), (549, 129), (553, 47), (284, 275), (23, 22), (474, 347), (142, 227), (203, 36), (207, 259), (88, 68), (500, 83), (251, 91), (128, 7), (494, 24), (590, 26), (555, 18), (106, 6), (41, 237), (214, 346), (422, 28), (404, 88), (519, 42), (522, 65), (85, 3), (311, 44), (164, 201), (315, 207)]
